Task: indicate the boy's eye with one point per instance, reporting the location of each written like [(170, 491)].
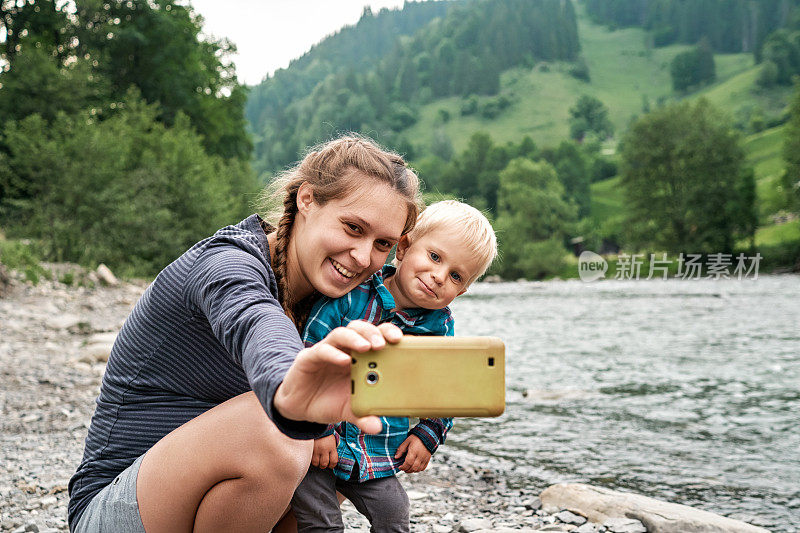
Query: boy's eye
[(383, 245), (456, 276), (434, 256)]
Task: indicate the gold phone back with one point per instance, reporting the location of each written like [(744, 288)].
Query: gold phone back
[(431, 377)]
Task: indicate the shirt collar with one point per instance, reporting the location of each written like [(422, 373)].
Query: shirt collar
[(386, 298)]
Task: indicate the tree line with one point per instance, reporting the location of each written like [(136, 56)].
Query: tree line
[(729, 25)]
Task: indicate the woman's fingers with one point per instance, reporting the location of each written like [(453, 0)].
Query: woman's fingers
[(358, 336), (377, 336), (391, 333), (369, 332)]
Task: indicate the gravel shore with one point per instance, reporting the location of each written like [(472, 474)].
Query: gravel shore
[(52, 349)]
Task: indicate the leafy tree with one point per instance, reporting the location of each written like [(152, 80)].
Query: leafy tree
[(791, 153), (684, 175), (126, 191), (693, 67), (580, 70), (27, 24), (589, 115), (442, 146), (781, 58), (573, 170), (473, 175), (37, 83), (533, 218), (154, 45), (103, 48)]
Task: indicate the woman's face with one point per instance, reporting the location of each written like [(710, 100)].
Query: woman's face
[(343, 242)]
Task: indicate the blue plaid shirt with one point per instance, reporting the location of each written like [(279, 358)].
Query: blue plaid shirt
[(372, 301)]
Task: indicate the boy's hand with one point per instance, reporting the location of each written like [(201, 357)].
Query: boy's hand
[(417, 455), (324, 454)]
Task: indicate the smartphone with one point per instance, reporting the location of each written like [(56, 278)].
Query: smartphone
[(431, 377)]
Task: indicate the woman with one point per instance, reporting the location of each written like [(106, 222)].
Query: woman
[(208, 391)]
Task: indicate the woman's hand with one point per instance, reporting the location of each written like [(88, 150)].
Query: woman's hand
[(317, 386)]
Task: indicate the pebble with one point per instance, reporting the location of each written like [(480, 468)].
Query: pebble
[(63, 321), (624, 525), (96, 353), (558, 527), (48, 501), (471, 525), (571, 518), (105, 275)]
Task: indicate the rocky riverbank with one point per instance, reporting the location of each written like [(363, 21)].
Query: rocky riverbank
[(54, 341)]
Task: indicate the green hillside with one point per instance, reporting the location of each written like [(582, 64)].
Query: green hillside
[(626, 75), (765, 153)]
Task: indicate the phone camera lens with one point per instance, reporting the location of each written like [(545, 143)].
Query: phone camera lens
[(372, 378)]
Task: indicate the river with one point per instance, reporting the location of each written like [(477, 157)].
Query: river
[(683, 390)]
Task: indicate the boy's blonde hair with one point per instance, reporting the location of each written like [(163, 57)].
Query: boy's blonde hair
[(464, 222)]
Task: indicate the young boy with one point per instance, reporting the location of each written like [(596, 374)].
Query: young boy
[(451, 246)]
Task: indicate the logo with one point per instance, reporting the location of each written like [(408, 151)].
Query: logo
[(591, 266)]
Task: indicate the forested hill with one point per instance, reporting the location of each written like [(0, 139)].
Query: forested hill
[(345, 83), (353, 47), (729, 25)]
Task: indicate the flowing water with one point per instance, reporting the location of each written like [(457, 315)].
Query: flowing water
[(687, 391)]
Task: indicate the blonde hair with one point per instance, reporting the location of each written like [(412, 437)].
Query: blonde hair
[(465, 223), (328, 169)]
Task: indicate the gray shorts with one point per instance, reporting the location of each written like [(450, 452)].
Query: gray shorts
[(114, 509)]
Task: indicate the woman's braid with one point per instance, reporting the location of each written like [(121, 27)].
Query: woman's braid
[(279, 262)]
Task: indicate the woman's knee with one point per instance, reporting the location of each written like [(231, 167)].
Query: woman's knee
[(267, 449)]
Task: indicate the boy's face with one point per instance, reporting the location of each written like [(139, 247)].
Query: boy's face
[(433, 270)]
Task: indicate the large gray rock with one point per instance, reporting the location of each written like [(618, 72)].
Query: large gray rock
[(599, 504)]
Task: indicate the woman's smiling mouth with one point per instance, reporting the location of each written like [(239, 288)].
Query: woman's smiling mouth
[(342, 270)]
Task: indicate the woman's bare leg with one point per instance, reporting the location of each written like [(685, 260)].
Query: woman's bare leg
[(229, 469)]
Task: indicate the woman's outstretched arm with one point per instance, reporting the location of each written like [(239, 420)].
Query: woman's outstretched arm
[(231, 468)]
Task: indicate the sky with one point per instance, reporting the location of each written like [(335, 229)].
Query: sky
[(270, 33)]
